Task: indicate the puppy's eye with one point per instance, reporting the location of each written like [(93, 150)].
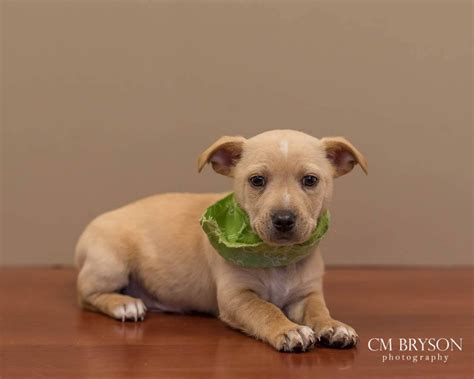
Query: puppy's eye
[(257, 181), (309, 180)]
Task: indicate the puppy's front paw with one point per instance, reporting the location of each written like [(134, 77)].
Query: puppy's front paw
[(298, 339), (336, 334), (133, 310)]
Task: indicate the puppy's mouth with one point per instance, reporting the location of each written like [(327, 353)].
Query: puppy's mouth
[(280, 239), (300, 234), (275, 238)]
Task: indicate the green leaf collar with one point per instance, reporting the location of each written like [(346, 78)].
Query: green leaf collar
[(228, 228)]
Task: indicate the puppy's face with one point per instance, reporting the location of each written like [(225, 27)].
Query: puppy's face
[(283, 179)]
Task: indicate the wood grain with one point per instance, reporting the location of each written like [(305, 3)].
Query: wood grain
[(44, 333)]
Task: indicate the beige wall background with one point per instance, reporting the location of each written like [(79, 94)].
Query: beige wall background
[(104, 102)]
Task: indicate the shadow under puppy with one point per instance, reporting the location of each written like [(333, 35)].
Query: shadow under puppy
[(153, 253)]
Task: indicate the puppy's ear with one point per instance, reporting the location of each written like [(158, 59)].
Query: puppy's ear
[(222, 154), (343, 155)]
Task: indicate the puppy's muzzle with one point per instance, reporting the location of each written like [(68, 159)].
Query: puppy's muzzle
[(283, 221)]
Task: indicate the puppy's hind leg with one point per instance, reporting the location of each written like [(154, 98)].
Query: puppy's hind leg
[(102, 275)]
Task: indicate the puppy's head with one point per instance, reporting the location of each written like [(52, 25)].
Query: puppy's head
[(283, 179)]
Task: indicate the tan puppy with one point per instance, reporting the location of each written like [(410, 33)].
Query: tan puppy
[(153, 254)]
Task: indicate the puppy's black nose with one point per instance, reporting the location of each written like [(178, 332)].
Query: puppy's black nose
[(283, 221)]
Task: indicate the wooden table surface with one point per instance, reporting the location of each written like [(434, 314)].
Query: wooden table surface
[(44, 333)]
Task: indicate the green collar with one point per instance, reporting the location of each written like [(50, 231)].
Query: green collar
[(228, 228)]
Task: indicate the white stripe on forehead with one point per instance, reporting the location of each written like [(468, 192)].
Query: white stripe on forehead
[(284, 147), (286, 199)]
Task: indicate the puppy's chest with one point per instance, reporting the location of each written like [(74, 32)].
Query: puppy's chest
[(281, 287)]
